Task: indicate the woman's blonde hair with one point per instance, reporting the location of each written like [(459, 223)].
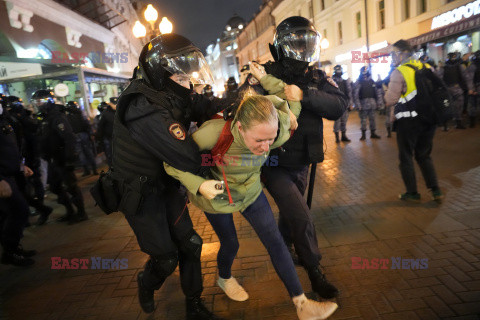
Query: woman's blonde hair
[(255, 109)]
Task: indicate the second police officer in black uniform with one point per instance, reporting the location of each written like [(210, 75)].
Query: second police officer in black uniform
[(57, 145), (296, 43), (150, 128), (346, 87), (367, 99), (14, 209), (83, 133)]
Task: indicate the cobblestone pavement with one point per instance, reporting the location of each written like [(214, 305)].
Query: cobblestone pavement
[(357, 214)]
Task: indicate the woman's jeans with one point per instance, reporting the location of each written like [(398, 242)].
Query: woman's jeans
[(260, 216)]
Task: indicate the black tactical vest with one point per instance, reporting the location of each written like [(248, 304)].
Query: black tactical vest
[(131, 161), (451, 74), (367, 89)]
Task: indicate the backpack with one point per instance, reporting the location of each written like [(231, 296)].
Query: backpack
[(433, 101)]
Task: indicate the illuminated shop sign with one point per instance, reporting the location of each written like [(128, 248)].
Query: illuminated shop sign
[(452, 16), (348, 55)]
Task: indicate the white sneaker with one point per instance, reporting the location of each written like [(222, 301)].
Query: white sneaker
[(313, 310), (232, 289)]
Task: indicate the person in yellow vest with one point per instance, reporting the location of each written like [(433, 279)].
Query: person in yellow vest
[(414, 131), (259, 124)]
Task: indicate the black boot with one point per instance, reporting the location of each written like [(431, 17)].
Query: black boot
[(145, 295), (445, 126), (196, 310), (344, 137), (373, 135), (18, 260), (44, 214), (363, 137), (389, 132), (460, 125), (337, 138), (25, 253), (79, 217), (472, 122), (320, 284)]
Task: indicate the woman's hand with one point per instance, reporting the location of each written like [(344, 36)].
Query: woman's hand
[(27, 171), (258, 71), (293, 121), (210, 189)]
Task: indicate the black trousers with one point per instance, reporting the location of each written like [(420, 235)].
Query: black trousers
[(63, 183), (163, 228), (14, 214), (415, 139), (287, 187)]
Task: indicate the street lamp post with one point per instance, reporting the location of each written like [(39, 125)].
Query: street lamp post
[(151, 16)]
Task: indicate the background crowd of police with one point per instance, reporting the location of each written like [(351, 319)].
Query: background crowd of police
[(41, 145)]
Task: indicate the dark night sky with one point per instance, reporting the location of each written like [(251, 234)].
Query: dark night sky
[(202, 21)]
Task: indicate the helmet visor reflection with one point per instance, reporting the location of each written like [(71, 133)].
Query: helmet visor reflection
[(302, 45), (193, 64)]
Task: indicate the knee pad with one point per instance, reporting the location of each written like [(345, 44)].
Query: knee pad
[(163, 265), (192, 244)]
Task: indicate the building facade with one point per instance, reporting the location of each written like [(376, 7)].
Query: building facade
[(86, 45), (221, 55), (258, 33)]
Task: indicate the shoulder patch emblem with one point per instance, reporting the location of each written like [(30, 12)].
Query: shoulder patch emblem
[(332, 82), (177, 131), (61, 126)]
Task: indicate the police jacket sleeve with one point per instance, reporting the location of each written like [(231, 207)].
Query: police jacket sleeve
[(350, 92), (356, 94), (154, 128), (100, 128), (205, 137), (325, 100), (63, 129), (203, 108)]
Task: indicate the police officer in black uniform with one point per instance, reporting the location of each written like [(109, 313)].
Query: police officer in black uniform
[(83, 133), (14, 209), (296, 43), (367, 99), (346, 87), (26, 127), (105, 128), (150, 128), (57, 144), (208, 91)]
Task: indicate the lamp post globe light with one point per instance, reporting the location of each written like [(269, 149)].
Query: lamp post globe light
[(165, 26), (151, 16), (324, 44)]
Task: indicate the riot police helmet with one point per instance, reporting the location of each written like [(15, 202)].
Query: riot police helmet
[(73, 105), (170, 54), (208, 90), (365, 72), (337, 70), (232, 84), (296, 38), (43, 100), (453, 57)]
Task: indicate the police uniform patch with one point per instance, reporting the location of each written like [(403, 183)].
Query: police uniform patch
[(61, 126), (332, 82), (177, 131)]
